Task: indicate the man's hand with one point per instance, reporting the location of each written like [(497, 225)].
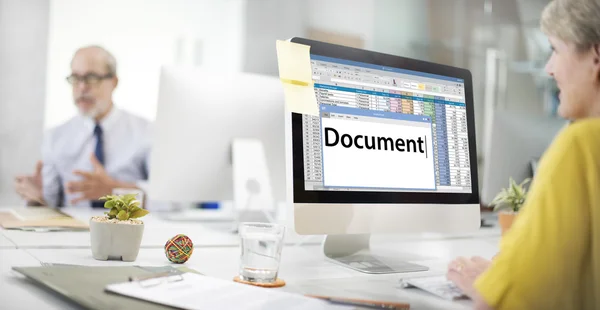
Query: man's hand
[(463, 272), (93, 185), (29, 187)]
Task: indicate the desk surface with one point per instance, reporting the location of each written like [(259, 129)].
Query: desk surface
[(5, 243), (205, 234), (303, 267), (17, 292), (216, 254), (156, 233)]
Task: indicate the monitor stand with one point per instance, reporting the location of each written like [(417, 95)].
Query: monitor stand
[(353, 251), (252, 192)]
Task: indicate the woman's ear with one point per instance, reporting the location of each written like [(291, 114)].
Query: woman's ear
[(596, 55)]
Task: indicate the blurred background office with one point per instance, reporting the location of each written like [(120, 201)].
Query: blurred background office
[(498, 40)]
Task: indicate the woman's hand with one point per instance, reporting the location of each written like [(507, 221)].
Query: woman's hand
[(464, 271)]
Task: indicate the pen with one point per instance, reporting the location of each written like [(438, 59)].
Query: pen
[(363, 302), (154, 276)]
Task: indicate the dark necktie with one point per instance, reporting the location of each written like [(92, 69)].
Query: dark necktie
[(99, 152)]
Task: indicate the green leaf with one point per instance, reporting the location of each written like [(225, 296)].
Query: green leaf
[(119, 204), (109, 204), (518, 192), (500, 198), (122, 215), (132, 205), (525, 182), (114, 211), (512, 197), (127, 199), (513, 186), (139, 213)]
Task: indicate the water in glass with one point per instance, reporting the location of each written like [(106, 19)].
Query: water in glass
[(261, 253)]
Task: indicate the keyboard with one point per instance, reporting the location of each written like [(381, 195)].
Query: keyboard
[(436, 285), (198, 215)]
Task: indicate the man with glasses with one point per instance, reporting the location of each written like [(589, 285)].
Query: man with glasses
[(100, 149)]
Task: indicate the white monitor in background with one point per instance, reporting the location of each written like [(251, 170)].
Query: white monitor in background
[(516, 144), (218, 137), (392, 151)]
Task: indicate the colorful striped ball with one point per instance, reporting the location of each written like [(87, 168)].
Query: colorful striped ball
[(179, 249)]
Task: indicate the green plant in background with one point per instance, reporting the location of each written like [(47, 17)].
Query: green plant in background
[(512, 197), (123, 207)]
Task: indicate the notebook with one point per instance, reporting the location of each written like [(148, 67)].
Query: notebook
[(40, 219), (194, 292)]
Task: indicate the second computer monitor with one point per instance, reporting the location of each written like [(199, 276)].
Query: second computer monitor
[(200, 115)]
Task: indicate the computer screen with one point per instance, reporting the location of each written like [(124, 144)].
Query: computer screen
[(385, 129)]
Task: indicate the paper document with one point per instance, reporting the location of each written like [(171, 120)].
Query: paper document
[(40, 219), (295, 73), (38, 213), (193, 291)]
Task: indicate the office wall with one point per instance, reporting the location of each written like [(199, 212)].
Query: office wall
[(344, 17), (235, 35), (143, 35), (397, 27), (23, 42), (264, 22), (269, 20), (401, 27)]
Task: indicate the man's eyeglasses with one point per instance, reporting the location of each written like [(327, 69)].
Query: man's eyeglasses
[(90, 78)]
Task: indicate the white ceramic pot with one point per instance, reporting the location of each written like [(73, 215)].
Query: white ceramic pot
[(115, 240)]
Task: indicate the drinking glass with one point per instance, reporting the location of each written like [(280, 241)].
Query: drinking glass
[(261, 245)]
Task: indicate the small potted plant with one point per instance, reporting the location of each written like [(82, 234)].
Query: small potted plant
[(508, 203), (118, 234)]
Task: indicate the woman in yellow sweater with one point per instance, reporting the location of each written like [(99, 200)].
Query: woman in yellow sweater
[(550, 259)]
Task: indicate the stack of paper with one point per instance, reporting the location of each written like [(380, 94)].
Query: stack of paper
[(40, 219)]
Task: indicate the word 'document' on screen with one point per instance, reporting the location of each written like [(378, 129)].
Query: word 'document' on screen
[(333, 138)]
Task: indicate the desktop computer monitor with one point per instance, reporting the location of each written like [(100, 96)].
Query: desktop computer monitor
[(516, 144), (392, 151), (218, 136)]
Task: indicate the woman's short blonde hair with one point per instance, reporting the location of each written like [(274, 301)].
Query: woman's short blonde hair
[(573, 21)]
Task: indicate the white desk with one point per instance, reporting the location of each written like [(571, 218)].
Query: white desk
[(204, 234), (5, 243), (216, 254), (156, 233), (306, 271), (17, 292)]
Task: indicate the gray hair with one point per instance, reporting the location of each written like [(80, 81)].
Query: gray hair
[(111, 61), (573, 21)]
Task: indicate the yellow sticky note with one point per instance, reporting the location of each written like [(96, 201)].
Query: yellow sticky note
[(293, 60)]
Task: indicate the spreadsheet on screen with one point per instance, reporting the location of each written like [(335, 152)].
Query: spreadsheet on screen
[(367, 88)]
